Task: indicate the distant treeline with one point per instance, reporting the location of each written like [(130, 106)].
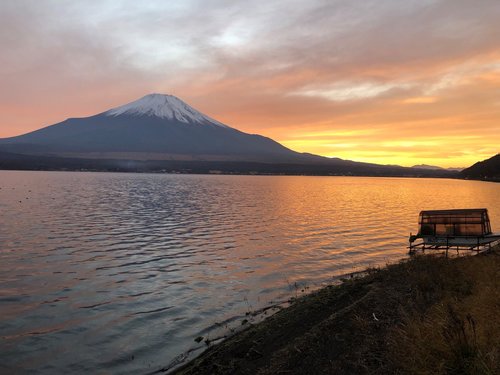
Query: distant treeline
[(10, 161)]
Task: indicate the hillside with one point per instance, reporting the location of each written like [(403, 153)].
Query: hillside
[(488, 169)]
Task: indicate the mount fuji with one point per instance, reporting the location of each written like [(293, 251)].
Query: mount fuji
[(162, 133), (154, 127)]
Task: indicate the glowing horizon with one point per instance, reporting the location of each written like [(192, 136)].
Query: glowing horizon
[(379, 81)]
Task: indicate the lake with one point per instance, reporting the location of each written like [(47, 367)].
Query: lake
[(120, 273)]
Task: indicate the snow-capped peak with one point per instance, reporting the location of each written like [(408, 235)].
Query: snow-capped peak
[(163, 106)]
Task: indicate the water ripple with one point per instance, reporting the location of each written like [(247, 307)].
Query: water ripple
[(119, 273)]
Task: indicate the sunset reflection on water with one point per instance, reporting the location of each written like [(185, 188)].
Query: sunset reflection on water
[(100, 268)]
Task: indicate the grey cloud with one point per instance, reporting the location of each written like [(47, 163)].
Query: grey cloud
[(80, 50), (337, 38)]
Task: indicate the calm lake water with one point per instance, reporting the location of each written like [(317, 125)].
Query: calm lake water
[(119, 273)]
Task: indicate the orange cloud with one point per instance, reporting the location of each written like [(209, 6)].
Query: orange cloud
[(396, 83)]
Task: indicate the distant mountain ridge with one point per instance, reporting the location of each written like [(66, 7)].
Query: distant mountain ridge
[(161, 131), (434, 167), (426, 166)]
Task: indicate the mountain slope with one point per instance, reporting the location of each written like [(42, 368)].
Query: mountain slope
[(162, 133), (436, 168), (488, 169), (156, 125)]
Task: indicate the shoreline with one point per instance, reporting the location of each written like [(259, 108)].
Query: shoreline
[(426, 314), (262, 174), (11, 161)]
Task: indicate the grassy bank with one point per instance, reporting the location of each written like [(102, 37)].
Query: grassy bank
[(427, 315)]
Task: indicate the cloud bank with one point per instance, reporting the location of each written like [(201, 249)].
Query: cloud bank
[(382, 81)]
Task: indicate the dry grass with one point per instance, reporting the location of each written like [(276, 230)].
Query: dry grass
[(428, 315), (455, 328)]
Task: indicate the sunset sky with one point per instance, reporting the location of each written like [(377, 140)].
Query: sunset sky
[(383, 81)]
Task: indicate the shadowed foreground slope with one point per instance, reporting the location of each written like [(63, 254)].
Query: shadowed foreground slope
[(427, 315)]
